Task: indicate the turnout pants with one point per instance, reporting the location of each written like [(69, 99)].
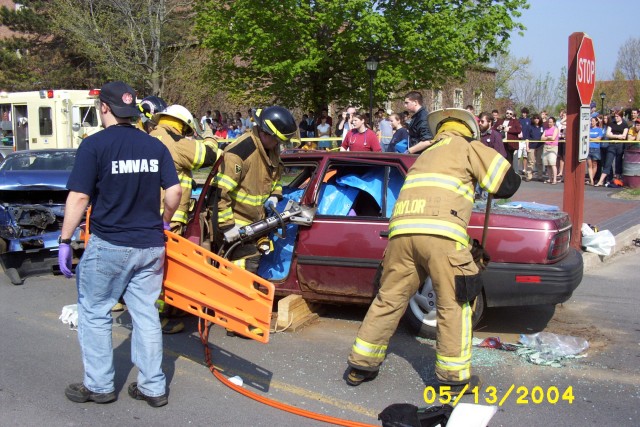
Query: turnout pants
[(408, 261)]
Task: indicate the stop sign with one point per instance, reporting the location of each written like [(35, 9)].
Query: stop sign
[(586, 70)]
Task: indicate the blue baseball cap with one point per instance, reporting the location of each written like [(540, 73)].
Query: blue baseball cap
[(121, 98)]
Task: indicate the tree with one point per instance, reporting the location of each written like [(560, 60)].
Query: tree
[(517, 83), (132, 40), (511, 72), (628, 62), (34, 57), (310, 53), (561, 89)]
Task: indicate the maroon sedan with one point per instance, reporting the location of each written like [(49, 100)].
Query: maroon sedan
[(335, 259)]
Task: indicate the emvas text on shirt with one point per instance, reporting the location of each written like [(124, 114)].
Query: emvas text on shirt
[(134, 166)]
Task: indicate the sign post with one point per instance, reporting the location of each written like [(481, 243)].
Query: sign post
[(581, 81)]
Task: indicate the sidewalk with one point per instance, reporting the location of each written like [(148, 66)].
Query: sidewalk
[(621, 217)]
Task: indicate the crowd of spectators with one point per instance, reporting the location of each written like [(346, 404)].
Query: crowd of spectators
[(533, 143), (537, 151)]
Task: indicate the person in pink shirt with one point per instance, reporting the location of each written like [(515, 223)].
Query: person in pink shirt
[(360, 137), (550, 136)]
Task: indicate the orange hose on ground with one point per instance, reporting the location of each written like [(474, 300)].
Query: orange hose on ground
[(203, 329)]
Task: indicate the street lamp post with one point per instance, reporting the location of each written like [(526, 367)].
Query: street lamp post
[(602, 96), (372, 67)]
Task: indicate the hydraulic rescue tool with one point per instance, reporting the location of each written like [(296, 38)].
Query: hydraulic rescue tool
[(293, 213)]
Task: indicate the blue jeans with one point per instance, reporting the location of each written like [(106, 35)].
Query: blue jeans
[(105, 273)]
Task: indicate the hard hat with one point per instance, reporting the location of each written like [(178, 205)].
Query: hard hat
[(276, 121), (180, 113), (150, 106), (436, 118)]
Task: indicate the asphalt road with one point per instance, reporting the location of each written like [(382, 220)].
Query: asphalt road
[(40, 356)]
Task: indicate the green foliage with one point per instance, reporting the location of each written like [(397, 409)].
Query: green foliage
[(310, 53)]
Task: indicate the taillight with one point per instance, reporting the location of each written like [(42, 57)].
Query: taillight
[(559, 244), (528, 279)]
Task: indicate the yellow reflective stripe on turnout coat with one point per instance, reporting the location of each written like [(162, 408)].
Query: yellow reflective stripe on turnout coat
[(440, 201)]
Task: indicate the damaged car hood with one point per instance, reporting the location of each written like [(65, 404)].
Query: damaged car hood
[(32, 180)]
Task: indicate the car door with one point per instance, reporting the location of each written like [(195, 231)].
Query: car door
[(338, 256)]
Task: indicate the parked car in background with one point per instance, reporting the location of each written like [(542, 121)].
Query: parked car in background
[(32, 200), (335, 259)]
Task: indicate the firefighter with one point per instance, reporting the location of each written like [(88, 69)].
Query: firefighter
[(176, 128), (249, 181), (428, 237), (249, 178), (148, 107)]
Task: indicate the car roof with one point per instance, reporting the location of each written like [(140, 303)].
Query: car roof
[(406, 159)]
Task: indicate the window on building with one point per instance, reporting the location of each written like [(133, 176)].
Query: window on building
[(44, 119), (458, 98), (437, 100), (477, 101)]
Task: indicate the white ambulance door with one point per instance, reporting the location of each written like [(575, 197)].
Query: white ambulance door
[(20, 118)]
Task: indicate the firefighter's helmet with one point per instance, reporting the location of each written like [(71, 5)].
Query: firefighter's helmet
[(437, 118), (150, 106), (180, 113), (276, 121)]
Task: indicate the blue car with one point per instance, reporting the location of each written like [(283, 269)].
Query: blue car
[(32, 199)]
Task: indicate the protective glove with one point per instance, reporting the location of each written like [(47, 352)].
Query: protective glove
[(480, 255), (271, 203), (64, 260), (166, 225), (232, 234)]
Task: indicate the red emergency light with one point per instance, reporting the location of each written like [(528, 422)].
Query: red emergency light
[(94, 92), (46, 94)]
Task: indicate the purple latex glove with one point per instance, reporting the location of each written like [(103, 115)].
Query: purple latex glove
[(166, 225), (64, 260)]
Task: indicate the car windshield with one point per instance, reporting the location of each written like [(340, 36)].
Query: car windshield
[(60, 161)]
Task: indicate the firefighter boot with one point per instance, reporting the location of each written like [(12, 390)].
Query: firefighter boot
[(355, 377)]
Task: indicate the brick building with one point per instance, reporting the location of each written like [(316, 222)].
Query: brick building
[(478, 89)]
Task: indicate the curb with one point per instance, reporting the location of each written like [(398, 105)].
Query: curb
[(623, 240)]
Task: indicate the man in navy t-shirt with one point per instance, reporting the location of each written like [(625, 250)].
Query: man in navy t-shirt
[(120, 171)]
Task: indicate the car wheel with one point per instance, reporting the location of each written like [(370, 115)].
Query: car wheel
[(421, 312)]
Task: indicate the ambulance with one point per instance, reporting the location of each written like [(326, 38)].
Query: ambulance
[(47, 119)]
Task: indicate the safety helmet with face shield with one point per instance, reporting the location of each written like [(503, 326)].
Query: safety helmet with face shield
[(180, 113), (150, 106), (276, 121)]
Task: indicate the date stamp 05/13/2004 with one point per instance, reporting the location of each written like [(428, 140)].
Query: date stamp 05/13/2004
[(490, 395)]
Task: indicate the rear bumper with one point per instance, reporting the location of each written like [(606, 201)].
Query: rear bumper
[(551, 283)]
